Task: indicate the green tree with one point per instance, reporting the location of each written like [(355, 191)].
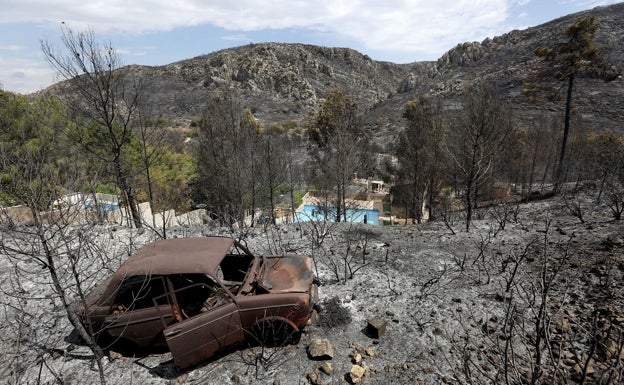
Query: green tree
[(342, 146), (33, 152), (419, 153), (106, 98), (226, 157), (250, 143), (161, 168), (276, 163), (578, 54), (285, 170)]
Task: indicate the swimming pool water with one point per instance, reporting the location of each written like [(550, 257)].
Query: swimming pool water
[(317, 213)]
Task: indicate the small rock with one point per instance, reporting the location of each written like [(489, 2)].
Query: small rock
[(577, 371), (376, 327), (356, 357), (605, 309), (503, 296), (113, 355), (495, 360), (561, 324), (569, 361), (327, 368), (369, 352), (313, 378), (236, 379), (356, 374), (611, 349), (491, 325), (320, 349)]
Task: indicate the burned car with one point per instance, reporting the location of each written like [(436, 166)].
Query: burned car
[(201, 295)]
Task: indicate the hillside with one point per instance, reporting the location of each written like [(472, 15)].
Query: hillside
[(510, 62), (531, 293), (278, 82), (442, 296), (281, 82), (284, 83)]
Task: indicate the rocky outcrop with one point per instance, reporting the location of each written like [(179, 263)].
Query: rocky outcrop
[(509, 61), (285, 82), (278, 82)]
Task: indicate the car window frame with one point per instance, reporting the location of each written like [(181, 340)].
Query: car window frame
[(173, 300), (148, 280)]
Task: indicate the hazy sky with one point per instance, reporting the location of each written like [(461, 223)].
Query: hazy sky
[(155, 32)]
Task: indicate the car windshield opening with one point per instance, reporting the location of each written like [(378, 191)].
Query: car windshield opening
[(234, 267)]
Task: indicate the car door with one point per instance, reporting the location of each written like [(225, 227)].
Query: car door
[(134, 316), (199, 337), (140, 326)]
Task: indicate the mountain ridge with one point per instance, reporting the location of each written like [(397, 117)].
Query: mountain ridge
[(282, 82)]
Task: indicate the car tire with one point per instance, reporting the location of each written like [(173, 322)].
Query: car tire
[(275, 333)]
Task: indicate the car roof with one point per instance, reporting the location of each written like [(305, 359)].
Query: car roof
[(177, 256)]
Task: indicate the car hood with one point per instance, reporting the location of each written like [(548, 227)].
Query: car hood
[(287, 274)]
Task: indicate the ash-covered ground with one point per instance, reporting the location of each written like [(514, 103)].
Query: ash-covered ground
[(531, 294)]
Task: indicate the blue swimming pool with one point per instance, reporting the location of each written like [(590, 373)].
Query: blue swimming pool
[(103, 206), (317, 213), (106, 207)]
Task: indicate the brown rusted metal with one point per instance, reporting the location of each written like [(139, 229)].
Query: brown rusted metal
[(196, 297), (177, 256), (288, 273)]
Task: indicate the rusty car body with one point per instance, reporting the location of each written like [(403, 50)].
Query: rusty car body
[(201, 295)]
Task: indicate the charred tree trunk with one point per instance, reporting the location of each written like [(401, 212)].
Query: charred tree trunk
[(122, 181), (566, 132)]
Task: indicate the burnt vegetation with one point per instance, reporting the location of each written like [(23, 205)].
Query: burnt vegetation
[(333, 314), (503, 262)]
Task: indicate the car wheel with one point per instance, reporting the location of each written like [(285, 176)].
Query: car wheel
[(275, 333)]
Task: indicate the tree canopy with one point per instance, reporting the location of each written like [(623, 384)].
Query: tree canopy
[(577, 54)]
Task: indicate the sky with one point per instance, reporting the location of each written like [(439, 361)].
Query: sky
[(158, 32)]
